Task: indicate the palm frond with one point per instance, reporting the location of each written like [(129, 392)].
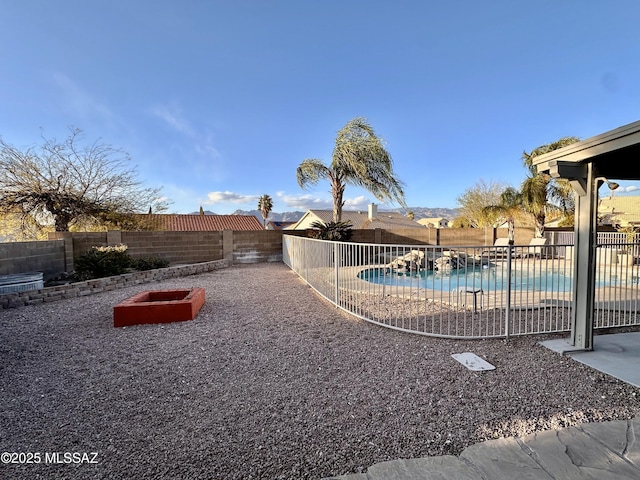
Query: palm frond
[(362, 160), (310, 171)]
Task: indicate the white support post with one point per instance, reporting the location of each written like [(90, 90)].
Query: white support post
[(584, 263)]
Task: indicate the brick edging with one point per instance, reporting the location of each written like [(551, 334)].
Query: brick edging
[(89, 287)]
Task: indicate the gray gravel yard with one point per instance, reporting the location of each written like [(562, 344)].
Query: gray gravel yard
[(268, 382)]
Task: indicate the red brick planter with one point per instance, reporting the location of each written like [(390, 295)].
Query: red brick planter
[(159, 306)]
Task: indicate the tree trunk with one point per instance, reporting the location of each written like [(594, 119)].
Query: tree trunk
[(337, 208), (540, 219), (62, 223), (337, 190)]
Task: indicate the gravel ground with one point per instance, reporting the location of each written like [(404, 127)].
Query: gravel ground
[(268, 382)]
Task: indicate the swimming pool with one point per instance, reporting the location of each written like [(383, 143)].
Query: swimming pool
[(491, 278)]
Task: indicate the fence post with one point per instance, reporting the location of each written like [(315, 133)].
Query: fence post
[(114, 237), (303, 245), (336, 261), (69, 263), (508, 313), (227, 245)]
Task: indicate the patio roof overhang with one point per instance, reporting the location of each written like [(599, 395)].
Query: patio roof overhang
[(586, 164), (614, 155)]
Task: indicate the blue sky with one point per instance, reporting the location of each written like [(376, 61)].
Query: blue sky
[(218, 102)]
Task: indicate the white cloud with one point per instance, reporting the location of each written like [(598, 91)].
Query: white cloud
[(309, 202), (631, 188), (304, 202), (283, 201), (229, 197), (359, 203)]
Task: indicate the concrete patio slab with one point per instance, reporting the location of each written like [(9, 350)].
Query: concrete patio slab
[(616, 355)]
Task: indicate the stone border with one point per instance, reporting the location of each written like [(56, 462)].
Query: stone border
[(97, 285)]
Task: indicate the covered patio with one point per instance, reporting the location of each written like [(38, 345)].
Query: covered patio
[(605, 158)]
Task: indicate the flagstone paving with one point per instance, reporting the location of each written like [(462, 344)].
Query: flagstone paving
[(596, 451)]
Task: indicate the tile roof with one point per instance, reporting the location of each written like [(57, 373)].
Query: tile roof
[(203, 223)]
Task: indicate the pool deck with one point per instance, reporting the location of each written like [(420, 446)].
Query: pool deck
[(616, 354)]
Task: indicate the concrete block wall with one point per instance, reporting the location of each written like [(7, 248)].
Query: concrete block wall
[(466, 236), (257, 246), (177, 247), (83, 241), (409, 236), (400, 236), (22, 257), (363, 236), (522, 235)]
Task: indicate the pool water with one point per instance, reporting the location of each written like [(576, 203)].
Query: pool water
[(477, 278)]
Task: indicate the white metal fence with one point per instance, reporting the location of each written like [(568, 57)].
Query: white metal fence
[(466, 291)]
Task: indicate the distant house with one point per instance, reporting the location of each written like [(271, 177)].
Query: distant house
[(371, 219), (434, 222), (274, 225), (619, 211), (199, 223)]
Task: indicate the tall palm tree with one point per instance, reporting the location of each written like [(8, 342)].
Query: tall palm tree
[(265, 205), (542, 193), (359, 158), (509, 209)]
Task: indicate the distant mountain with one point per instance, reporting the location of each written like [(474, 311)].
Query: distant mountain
[(418, 212), (424, 212), (206, 212), (273, 216)]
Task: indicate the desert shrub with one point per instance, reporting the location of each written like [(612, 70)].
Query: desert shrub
[(103, 262), (335, 231), (150, 263)]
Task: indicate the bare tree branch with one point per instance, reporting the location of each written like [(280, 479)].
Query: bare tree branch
[(71, 182)]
